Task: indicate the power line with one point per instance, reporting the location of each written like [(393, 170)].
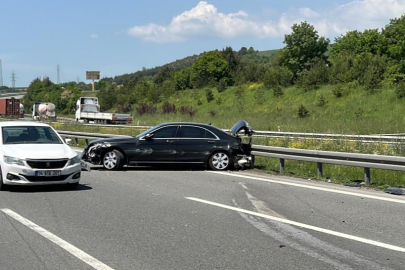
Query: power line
[(58, 70), (1, 74), (13, 79)]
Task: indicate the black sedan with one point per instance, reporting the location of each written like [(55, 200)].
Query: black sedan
[(175, 143)]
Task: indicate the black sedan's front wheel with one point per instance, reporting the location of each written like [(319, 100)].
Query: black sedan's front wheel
[(113, 160), (220, 161)]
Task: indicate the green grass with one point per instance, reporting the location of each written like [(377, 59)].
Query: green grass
[(356, 113)]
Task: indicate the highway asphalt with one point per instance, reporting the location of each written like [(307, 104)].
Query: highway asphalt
[(189, 218)]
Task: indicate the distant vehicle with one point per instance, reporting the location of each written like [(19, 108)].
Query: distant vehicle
[(10, 107), (22, 110), (88, 110), (33, 153), (175, 143), (43, 110)]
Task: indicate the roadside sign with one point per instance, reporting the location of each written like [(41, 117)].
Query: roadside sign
[(93, 75)]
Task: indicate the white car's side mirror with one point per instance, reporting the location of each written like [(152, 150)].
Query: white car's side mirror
[(68, 141)]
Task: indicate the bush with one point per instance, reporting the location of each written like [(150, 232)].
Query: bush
[(313, 78), (259, 95), (219, 101), (277, 91), (168, 108), (320, 100), (222, 85), (400, 89), (187, 110), (302, 111), (146, 109), (338, 90), (278, 75), (239, 92), (213, 113), (125, 108), (209, 95)]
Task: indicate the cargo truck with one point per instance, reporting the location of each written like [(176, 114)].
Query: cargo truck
[(43, 110), (88, 110), (10, 107)]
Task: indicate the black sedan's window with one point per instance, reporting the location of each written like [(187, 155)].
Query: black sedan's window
[(166, 132), (194, 132)]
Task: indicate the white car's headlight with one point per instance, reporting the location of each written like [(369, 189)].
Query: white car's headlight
[(74, 161), (13, 160)]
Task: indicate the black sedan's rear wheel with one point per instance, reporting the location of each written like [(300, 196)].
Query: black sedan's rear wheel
[(220, 161), (113, 160)]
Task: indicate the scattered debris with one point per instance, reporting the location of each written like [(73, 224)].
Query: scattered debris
[(395, 191), (351, 185), (281, 246)]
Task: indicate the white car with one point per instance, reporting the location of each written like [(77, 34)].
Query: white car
[(34, 154)]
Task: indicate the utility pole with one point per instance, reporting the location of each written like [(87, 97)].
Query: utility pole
[(78, 80), (1, 75), (58, 70), (13, 79)]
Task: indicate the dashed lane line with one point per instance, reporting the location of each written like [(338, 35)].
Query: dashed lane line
[(81, 255)]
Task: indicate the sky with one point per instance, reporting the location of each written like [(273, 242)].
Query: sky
[(123, 36)]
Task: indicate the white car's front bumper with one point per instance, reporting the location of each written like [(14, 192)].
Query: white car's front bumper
[(26, 175)]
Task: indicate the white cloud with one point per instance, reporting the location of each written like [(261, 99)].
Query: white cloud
[(93, 36), (308, 13), (204, 21)]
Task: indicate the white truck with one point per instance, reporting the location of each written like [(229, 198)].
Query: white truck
[(43, 110), (88, 110)]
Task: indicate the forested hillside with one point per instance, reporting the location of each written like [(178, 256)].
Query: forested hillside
[(370, 62)]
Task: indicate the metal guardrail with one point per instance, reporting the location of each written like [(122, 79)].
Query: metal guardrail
[(383, 138), (365, 161)]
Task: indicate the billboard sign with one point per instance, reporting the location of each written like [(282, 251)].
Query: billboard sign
[(93, 75)]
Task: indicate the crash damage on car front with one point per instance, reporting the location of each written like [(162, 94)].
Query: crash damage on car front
[(241, 151), (93, 153)]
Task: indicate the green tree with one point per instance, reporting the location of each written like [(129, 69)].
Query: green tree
[(165, 73), (394, 34), (182, 79), (355, 42), (303, 47), (211, 66), (232, 58)]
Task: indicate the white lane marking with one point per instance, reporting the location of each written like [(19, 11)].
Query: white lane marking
[(302, 225), (81, 255), (312, 187)]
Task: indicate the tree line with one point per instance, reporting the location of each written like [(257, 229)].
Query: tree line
[(369, 59)]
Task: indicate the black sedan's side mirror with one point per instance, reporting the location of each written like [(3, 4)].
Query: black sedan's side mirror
[(148, 136)]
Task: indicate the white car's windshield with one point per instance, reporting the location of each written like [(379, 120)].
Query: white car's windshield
[(29, 135)]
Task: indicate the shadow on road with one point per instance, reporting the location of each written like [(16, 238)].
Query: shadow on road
[(50, 188), (155, 168)]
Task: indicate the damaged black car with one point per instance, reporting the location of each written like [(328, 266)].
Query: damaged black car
[(176, 143)]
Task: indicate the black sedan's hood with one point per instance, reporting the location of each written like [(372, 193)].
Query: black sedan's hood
[(241, 125), (115, 140)]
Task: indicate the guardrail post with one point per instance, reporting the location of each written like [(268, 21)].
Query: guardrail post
[(77, 141), (282, 167), (252, 162), (319, 169), (367, 176), (87, 141)]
